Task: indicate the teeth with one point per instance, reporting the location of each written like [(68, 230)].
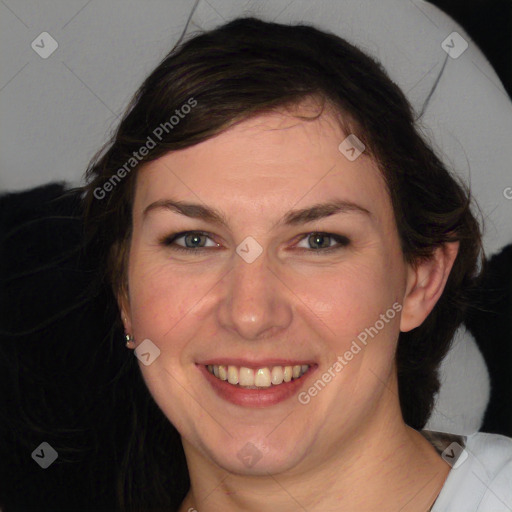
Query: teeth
[(223, 372), (232, 374), (245, 376), (260, 378), (277, 375)]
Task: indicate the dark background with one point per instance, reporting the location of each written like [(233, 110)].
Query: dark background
[(489, 24)]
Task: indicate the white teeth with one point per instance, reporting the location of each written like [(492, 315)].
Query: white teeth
[(260, 378), (232, 374), (245, 376), (277, 375)]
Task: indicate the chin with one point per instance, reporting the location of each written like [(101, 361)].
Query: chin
[(251, 460), (256, 454)]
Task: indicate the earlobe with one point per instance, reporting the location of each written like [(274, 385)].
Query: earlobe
[(425, 284)]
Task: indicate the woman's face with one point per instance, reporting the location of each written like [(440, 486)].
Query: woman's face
[(280, 289)]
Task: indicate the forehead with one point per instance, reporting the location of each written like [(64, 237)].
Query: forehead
[(264, 164)]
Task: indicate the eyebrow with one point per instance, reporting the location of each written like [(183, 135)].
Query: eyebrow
[(292, 218)]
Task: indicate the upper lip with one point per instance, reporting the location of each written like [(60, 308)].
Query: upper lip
[(251, 363)]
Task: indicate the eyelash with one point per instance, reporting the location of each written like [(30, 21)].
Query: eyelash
[(169, 240)]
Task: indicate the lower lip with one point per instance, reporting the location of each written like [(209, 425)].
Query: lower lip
[(264, 397)]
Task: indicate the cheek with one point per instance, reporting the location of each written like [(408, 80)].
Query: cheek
[(159, 299), (352, 298), (363, 328)]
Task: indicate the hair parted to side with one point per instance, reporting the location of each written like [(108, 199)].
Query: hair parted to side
[(248, 67)]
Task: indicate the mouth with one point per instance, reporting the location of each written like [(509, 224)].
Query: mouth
[(256, 385)]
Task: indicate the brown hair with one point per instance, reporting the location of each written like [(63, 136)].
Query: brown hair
[(248, 67)]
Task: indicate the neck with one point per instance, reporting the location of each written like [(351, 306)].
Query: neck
[(386, 466)]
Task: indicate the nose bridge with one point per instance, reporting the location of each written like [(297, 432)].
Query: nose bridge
[(254, 304)]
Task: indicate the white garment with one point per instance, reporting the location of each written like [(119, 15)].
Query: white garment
[(482, 482)]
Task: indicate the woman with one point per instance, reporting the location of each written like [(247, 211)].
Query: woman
[(290, 261)]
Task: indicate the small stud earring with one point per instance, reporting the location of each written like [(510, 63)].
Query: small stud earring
[(129, 339)]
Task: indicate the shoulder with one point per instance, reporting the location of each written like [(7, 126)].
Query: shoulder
[(481, 479), (492, 449)]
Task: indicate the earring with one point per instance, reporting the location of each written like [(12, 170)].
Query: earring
[(129, 339)]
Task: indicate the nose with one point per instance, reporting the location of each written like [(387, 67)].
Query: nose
[(255, 304)]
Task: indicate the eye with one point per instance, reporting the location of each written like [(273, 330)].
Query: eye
[(321, 242), (194, 241)]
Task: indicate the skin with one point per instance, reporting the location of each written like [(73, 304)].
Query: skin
[(348, 448)]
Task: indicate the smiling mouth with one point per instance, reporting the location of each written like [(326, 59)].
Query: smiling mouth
[(260, 378)]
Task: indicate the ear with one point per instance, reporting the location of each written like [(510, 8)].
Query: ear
[(425, 284), (123, 302)]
